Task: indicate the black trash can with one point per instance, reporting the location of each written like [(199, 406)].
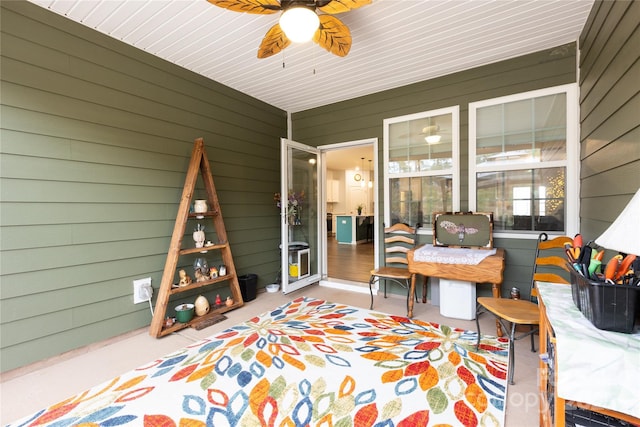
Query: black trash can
[(248, 286)]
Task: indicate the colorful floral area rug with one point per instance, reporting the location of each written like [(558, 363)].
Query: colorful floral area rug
[(307, 363)]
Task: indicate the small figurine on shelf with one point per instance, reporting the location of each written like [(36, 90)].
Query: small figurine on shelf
[(184, 278), (229, 302), (201, 269), (218, 300), (198, 235), (223, 270), (202, 265), (200, 206), (200, 277), (202, 305), (213, 272)]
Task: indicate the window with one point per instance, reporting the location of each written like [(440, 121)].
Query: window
[(523, 160), (421, 166)]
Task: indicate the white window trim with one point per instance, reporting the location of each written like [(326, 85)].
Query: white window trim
[(572, 163), (454, 171)]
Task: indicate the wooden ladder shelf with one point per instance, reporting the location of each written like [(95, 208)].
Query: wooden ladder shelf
[(199, 164)]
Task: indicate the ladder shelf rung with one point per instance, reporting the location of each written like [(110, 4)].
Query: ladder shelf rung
[(197, 319), (202, 215), (204, 250), (176, 289)]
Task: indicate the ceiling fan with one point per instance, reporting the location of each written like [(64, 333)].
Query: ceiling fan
[(300, 15)]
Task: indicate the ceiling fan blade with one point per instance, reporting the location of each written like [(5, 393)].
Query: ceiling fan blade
[(262, 7), (273, 42), (333, 35), (340, 6)]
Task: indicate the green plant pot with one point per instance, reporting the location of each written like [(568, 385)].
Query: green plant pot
[(184, 313)]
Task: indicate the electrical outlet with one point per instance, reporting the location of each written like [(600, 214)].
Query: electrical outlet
[(142, 290)]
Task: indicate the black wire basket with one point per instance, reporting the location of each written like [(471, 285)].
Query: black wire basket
[(610, 307)]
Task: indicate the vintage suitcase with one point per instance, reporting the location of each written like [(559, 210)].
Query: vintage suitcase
[(463, 229)]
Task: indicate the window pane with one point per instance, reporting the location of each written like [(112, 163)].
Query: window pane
[(413, 200), (419, 145), (530, 130), (550, 124), (528, 200)]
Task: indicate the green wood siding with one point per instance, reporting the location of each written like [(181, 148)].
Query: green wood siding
[(609, 113), (96, 138), (363, 118)]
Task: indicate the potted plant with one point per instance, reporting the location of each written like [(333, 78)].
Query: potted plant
[(359, 208), (294, 206)]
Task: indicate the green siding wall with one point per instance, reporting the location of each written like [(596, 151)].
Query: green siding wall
[(609, 113), (96, 138), (363, 118)]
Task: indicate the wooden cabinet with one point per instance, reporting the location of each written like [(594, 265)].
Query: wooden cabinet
[(352, 229), (333, 191), (199, 164), (560, 321)]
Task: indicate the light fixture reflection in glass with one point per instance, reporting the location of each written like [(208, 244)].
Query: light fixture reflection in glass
[(299, 24), (432, 139), (312, 161), (370, 184), (362, 184)]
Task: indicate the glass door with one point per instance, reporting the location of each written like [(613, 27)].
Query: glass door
[(300, 212)]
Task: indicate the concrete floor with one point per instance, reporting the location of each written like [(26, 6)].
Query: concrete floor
[(25, 390)]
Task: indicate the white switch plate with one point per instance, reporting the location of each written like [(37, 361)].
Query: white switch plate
[(139, 285)]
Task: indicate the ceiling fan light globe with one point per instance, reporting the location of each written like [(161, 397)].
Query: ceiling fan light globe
[(299, 24), (432, 139)]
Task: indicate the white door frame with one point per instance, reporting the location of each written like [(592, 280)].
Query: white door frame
[(345, 284), (287, 285)]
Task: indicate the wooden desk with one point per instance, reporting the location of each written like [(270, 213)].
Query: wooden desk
[(488, 270), (585, 369)]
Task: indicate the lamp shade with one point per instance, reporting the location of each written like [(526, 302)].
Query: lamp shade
[(299, 23), (624, 234)]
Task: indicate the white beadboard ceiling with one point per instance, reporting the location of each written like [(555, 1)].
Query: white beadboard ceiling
[(395, 42)]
